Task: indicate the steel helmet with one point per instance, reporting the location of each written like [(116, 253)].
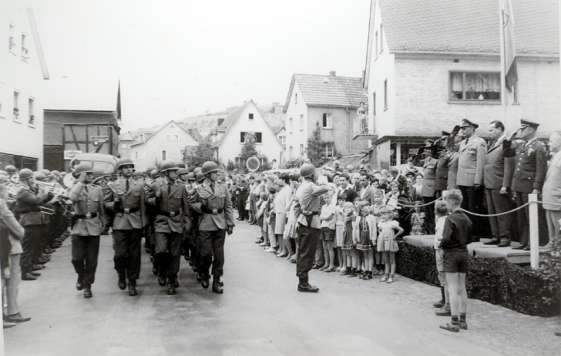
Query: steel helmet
[(209, 167), (54, 171), (40, 176), (3, 178), (181, 165), (123, 162), (168, 165), (107, 174), (3, 172), (149, 170), (181, 171), (200, 176), (196, 170), (25, 173), (154, 174), (307, 170), (82, 167), (191, 176), (11, 169)]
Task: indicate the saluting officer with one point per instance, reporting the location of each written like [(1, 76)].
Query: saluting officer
[(428, 191), (530, 157), (212, 200), (88, 221), (126, 200), (306, 211), (170, 199)]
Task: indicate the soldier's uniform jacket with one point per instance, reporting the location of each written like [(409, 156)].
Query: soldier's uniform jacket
[(453, 170), (441, 177), (429, 175), (471, 161), (87, 205), (28, 206), (307, 206), (128, 206), (215, 206), (171, 207), (531, 164)]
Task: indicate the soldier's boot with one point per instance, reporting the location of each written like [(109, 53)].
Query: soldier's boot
[(204, 279), (79, 268), (132, 288), (216, 287), (171, 285), (304, 286), (88, 291), (122, 281)]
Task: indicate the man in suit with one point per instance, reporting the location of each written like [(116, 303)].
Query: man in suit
[(170, 199), (530, 156), (212, 200), (126, 200), (552, 189), (88, 222), (242, 191), (427, 190), (346, 188), (471, 161), (497, 179)]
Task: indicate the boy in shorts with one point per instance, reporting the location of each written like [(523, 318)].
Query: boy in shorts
[(441, 212), (455, 238)]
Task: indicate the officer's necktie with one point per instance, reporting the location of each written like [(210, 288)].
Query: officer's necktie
[(169, 188), (212, 187), (127, 185)]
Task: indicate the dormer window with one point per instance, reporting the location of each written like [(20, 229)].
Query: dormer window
[(251, 116)]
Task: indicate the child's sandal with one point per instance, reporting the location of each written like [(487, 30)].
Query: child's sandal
[(450, 327), (390, 280), (384, 279)]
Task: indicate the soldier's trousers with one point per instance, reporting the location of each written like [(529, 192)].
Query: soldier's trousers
[(168, 253), (126, 244), (31, 245), (211, 250), (523, 219), (85, 250), (307, 252), (429, 215)]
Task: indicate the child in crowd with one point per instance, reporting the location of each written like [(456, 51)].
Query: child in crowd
[(389, 230), (455, 238), (261, 208), (290, 228), (349, 245), (328, 218), (392, 196), (270, 216), (375, 211), (360, 268), (441, 211), (418, 220), (365, 231), (339, 228)]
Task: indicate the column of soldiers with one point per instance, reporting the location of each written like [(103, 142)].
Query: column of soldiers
[(494, 178)]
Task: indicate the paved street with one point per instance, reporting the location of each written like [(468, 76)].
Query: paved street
[(260, 313)]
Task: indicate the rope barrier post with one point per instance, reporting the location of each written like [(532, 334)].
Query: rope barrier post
[(534, 231)]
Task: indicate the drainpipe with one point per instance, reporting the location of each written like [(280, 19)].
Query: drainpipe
[(350, 130)]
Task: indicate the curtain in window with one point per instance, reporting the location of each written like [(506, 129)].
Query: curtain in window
[(483, 85), (457, 85)]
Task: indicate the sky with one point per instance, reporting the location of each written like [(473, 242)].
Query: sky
[(178, 59)]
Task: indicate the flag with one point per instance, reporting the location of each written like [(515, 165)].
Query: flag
[(119, 101), (509, 50)]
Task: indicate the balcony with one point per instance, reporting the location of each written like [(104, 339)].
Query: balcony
[(361, 127)]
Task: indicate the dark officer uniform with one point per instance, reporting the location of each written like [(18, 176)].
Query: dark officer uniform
[(428, 192), (243, 191), (126, 200), (212, 200), (169, 224), (529, 174)]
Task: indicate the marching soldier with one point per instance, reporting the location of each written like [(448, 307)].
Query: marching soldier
[(88, 222), (126, 200), (530, 157), (307, 211), (149, 239), (170, 199), (29, 200), (212, 200), (190, 242)]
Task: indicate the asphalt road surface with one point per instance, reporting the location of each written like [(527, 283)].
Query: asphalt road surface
[(260, 313)]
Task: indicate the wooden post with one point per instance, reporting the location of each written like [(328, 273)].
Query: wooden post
[(534, 231)]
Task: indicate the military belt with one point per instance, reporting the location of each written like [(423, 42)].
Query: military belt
[(127, 210), (169, 213), (37, 210), (208, 210), (86, 216)]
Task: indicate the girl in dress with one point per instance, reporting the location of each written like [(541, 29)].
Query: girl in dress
[(365, 231), (290, 228), (388, 230), (339, 228), (349, 244)]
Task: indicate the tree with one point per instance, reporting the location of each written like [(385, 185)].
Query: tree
[(316, 148), (204, 152), (248, 149)]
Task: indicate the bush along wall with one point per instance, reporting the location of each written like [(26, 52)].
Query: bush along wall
[(494, 280)]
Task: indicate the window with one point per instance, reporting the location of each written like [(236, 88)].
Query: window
[(12, 41), (258, 137), (1, 97), (374, 103), (16, 106), (328, 149), (291, 152), (164, 155), (136, 154), (301, 122), (24, 50), (242, 137), (290, 124), (377, 44), (176, 137), (295, 98), (172, 127), (31, 109), (385, 94), (301, 150), (473, 86), (168, 137), (251, 116), (381, 38), (124, 146), (282, 139), (327, 121)]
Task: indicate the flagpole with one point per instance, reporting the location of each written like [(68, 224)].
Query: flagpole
[(502, 54)]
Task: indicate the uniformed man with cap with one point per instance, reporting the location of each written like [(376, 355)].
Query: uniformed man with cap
[(126, 200), (149, 233), (471, 161), (530, 157), (307, 211), (12, 172), (170, 198), (190, 241), (88, 222), (428, 191), (29, 200), (441, 177), (213, 202)]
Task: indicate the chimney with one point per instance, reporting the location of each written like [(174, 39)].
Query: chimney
[(332, 74), (220, 121)]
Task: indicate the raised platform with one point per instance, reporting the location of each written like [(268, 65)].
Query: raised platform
[(479, 250)]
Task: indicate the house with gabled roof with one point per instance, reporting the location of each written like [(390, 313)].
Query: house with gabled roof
[(229, 136), (327, 101), (168, 141), (430, 64)]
